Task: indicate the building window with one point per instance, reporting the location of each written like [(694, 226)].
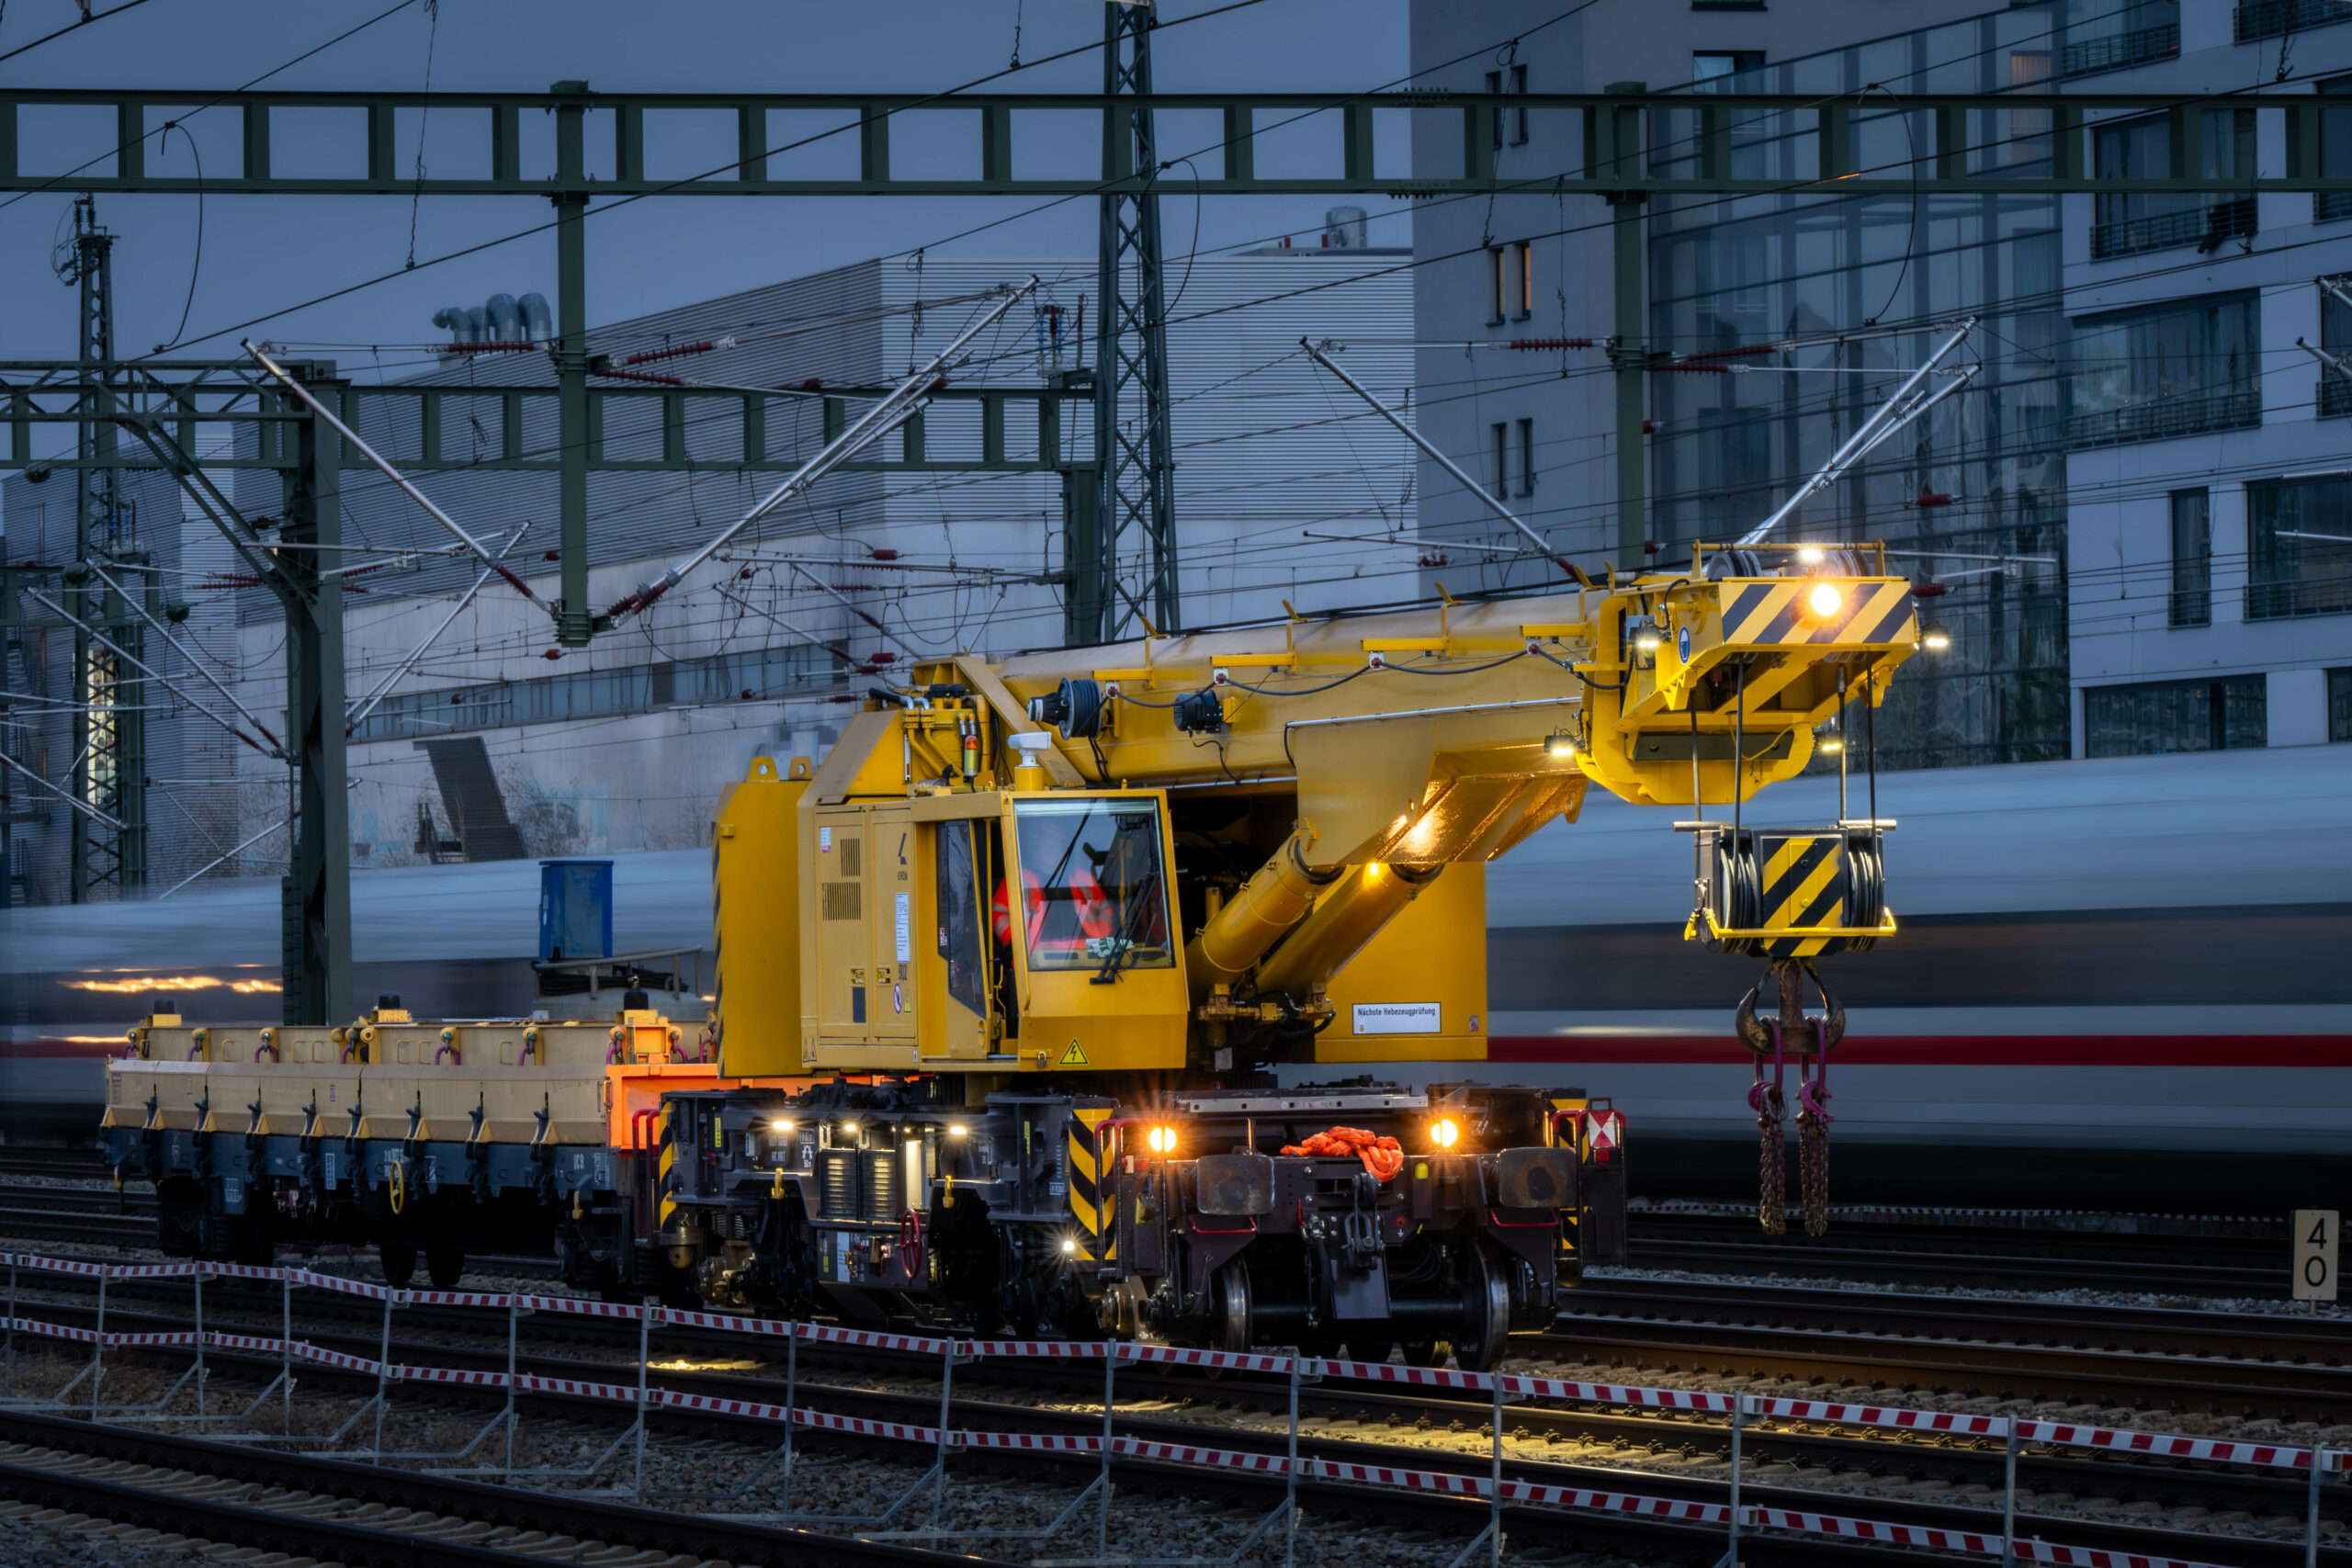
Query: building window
[(1501, 434), (2129, 222), (1527, 456), (2299, 548), (2165, 370), (2192, 558), (2339, 705), (2158, 717), (2336, 338), (1498, 280), (1712, 69), (1523, 254)]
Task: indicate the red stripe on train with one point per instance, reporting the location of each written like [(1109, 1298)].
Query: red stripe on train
[(1952, 1050)]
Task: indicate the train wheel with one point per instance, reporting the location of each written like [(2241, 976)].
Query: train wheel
[(1229, 1325), (1485, 1315), (399, 1263), (445, 1265)]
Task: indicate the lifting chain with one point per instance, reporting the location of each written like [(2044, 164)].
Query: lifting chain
[(1810, 1038), (1771, 1177), (1813, 1144)]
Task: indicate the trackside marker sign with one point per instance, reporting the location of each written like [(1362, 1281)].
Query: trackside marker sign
[(1399, 1017)]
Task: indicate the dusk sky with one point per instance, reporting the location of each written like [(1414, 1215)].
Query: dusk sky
[(261, 253)]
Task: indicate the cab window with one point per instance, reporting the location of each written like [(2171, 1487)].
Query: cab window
[(1092, 885)]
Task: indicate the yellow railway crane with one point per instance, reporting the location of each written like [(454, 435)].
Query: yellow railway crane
[(1048, 928), (1027, 990)]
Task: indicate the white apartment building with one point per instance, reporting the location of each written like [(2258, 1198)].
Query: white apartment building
[(2129, 512)]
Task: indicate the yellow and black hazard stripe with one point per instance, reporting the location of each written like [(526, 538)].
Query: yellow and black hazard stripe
[(1779, 614), (1804, 888), (663, 1186), (1085, 1160)]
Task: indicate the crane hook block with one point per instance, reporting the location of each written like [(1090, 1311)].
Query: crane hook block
[(1773, 893)]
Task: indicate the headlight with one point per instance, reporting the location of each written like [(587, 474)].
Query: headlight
[(781, 1124), (1826, 598), (1446, 1132), (957, 1130), (1069, 1246), (1161, 1139)]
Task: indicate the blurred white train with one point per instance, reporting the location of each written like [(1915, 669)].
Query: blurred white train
[(2118, 984)]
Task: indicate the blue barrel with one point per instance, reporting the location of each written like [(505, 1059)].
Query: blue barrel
[(575, 908)]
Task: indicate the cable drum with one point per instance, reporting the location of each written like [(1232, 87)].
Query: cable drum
[(1865, 888), (1740, 884)]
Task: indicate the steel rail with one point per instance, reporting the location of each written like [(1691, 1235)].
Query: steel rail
[(560, 1512), (1938, 1458)]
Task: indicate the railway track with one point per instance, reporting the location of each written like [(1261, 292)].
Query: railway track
[(1709, 1241), (1346, 1425), (335, 1510)]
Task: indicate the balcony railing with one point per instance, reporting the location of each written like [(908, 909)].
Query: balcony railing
[(2268, 18), (2332, 207), (2335, 399), (2119, 51), (2164, 419), (2201, 226)]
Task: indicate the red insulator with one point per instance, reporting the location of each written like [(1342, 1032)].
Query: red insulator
[(1649, 427), (552, 654), (1933, 498), (1692, 367), (885, 554), (1929, 590), (552, 556), (885, 657), (650, 356), (1526, 344), (1650, 546), (747, 694)]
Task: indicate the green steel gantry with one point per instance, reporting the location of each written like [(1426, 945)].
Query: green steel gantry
[(1617, 137)]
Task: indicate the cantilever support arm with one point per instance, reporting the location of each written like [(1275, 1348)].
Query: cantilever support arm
[(185, 652), (222, 514), (902, 403), (368, 704), (92, 812), (319, 409), (267, 748), (1315, 353), (1892, 415)]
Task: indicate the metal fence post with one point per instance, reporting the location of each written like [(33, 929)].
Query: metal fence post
[(791, 1380), (200, 1416), (1111, 1349), (1739, 1414), (947, 1388), (2009, 1499), (1495, 1514), (383, 1372), (1290, 1490), (98, 1346), (2311, 1508), (644, 1354), (12, 1325), (286, 1347), (514, 1317)]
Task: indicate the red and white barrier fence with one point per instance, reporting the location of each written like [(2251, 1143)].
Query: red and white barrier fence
[(1976, 1543)]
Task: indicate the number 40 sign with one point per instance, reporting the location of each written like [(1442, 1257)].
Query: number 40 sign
[(2316, 1254)]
